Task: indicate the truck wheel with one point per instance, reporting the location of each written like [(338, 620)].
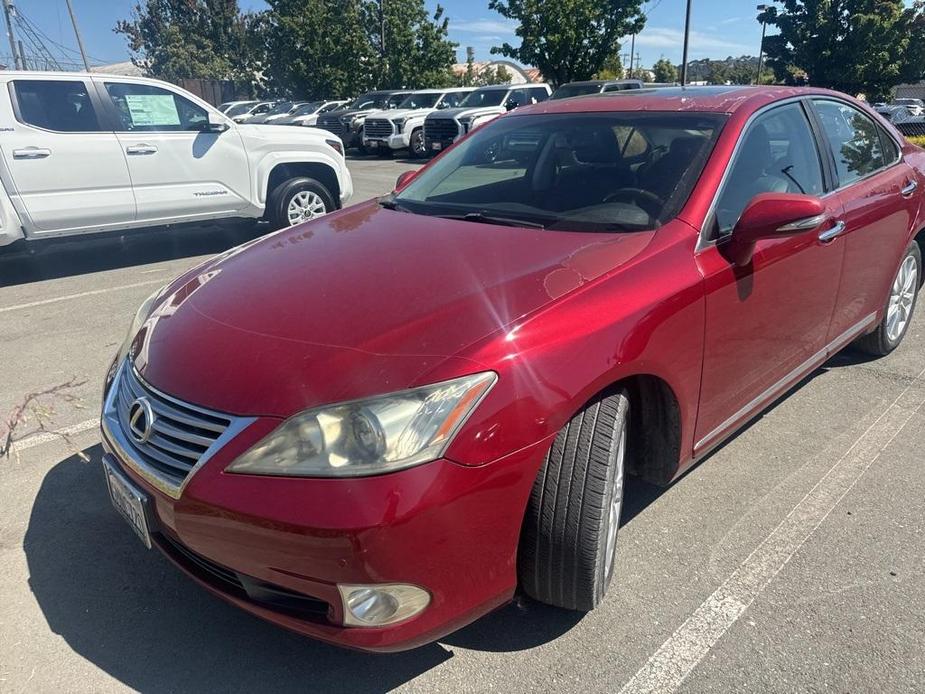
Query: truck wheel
[(569, 536), (899, 306), (418, 147), (297, 200)]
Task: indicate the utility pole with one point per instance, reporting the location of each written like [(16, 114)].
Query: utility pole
[(80, 43), (9, 10), (761, 8), (632, 53), (385, 63), (687, 34)]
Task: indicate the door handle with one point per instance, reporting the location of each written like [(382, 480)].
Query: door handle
[(31, 153), (141, 149), (836, 230), (909, 189)]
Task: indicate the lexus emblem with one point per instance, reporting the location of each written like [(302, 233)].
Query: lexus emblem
[(140, 420)]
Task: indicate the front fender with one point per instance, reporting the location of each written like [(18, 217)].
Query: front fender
[(271, 160)]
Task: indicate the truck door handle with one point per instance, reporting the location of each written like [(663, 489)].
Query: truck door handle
[(141, 149), (909, 189), (836, 230), (31, 153)]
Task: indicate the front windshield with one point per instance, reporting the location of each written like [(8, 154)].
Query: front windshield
[(307, 109), (420, 101), (485, 97), (280, 109), (622, 171), (373, 99), (570, 90), (239, 109), (394, 100)]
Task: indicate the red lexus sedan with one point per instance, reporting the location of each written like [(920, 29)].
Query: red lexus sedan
[(379, 425)]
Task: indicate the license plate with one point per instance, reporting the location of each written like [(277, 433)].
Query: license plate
[(129, 501), (436, 145), (372, 144)]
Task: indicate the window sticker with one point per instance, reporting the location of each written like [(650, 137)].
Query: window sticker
[(152, 109)]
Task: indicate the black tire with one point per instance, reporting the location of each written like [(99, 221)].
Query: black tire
[(563, 557), (282, 195), (418, 147), (880, 342)]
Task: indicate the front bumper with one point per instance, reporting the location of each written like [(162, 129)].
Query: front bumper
[(450, 529)]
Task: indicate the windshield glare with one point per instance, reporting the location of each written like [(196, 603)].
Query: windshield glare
[(570, 90), (485, 97), (624, 171), (420, 101)]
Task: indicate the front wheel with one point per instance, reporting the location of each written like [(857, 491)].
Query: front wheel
[(569, 538), (418, 147), (298, 200), (899, 306)]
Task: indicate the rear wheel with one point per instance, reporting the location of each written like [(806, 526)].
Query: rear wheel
[(417, 147), (298, 200), (899, 307), (569, 538)]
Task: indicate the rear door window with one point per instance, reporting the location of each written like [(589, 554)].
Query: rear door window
[(854, 139), (60, 105)]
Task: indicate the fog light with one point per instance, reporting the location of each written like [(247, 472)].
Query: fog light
[(379, 605)]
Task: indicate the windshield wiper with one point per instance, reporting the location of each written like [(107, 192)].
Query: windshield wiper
[(483, 218), (389, 203)]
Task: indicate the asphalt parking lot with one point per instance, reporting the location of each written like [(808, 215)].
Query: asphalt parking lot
[(793, 559)]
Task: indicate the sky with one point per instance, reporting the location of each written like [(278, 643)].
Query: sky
[(718, 27)]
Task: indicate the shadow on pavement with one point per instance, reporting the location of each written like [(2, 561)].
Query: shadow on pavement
[(135, 616), (78, 255)]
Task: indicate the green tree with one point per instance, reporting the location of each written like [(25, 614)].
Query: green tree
[(664, 71), (568, 39), (176, 39), (318, 50), (491, 75), (612, 69), (855, 46), (414, 48)]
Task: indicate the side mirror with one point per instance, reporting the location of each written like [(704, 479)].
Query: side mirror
[(773, 215), (404, 179), (216, 124), (511, 104)]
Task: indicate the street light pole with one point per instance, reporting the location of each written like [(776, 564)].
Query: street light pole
[(687, 34), (764, 24)]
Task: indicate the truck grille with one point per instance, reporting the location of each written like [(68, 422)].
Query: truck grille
[(179, 435), (377, 127), (440, 129), (333, 125)]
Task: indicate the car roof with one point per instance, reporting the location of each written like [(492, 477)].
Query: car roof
[(714, 98)]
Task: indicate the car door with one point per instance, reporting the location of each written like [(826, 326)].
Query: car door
[(765, 323), (881, 198), (179, 169), (64, 169)]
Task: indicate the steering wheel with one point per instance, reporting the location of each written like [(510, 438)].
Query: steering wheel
[(646, 200)]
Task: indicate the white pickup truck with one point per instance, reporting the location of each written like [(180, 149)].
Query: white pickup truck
[(86, 153)]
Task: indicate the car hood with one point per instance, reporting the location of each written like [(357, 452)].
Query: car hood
[(401, 113), (361, 302), (344, 114), (459, 112), (279, 135)]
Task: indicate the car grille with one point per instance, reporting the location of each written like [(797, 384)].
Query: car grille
[(240, 585), (181, 434), (333, 125), (440, 129), (377, 127)]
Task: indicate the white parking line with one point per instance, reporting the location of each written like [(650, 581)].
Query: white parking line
[(47, 437), (79, 295), (685, 648)]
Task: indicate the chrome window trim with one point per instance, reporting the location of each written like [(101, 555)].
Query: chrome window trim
[(116, 438), (744, 413)]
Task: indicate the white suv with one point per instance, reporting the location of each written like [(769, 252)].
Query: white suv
[(443, 128), (403, 128), (91, 153)]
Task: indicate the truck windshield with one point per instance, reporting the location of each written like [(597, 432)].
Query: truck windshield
[(307, 109), (485, 97), (570, 90), (607, 172), (420, 101)]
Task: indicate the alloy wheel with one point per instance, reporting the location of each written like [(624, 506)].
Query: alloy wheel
[(616, 503), (305, 205), (902, 297)]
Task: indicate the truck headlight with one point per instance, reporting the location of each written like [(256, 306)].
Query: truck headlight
[(368, 437), (399, 123)]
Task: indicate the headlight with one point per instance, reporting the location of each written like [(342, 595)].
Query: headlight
[(368, 437), (141, 315), (399, 123)]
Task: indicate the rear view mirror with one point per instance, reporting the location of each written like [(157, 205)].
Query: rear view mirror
[(216, 123), (404, 179), (772, 215)]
